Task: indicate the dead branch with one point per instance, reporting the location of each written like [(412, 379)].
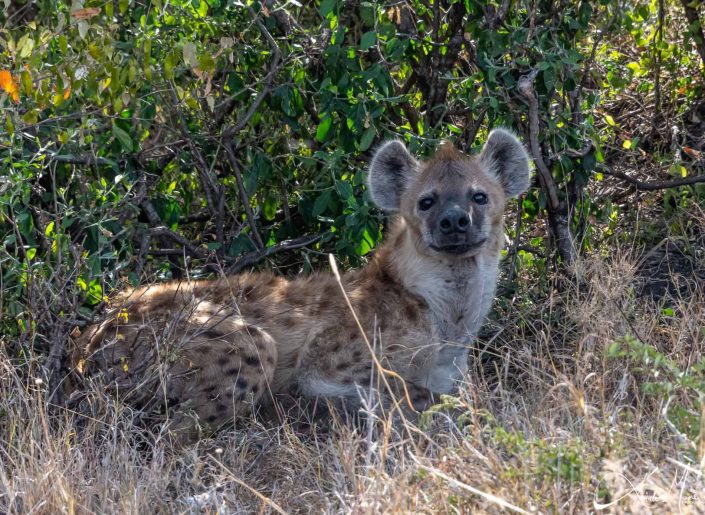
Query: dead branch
[(526, 87), (558, 214), (192, 249), (654, 185), (254, 257)]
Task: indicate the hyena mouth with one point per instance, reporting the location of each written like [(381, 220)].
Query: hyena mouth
[(458, 248)]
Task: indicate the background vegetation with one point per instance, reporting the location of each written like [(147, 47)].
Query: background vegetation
[(143, 141)]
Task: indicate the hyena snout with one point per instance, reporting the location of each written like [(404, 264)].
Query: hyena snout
[(457, 230), (454, 220)]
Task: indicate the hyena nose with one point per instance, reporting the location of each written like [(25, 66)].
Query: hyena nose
[(454, 219)]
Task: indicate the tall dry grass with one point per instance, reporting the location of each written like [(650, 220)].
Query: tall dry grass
[(558, 414)]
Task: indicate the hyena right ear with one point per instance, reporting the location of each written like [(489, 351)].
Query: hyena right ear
[(505, 157), (391, 171)]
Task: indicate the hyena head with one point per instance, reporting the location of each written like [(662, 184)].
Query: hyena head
[(453, 203)]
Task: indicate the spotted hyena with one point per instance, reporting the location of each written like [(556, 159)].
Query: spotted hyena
[(209, 350)]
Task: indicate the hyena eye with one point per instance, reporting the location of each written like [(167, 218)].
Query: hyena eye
[(479, 198), (426, 203)]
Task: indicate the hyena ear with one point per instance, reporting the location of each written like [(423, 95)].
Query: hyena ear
[(505, 157), (391, 171)]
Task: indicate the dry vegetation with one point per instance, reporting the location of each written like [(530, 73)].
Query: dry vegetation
[(586, 401)]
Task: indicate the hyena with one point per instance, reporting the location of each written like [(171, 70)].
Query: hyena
[(209, 350)]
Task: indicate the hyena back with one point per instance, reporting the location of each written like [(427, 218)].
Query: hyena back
[(208, 350)]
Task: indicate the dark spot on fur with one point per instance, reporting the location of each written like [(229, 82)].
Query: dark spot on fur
[(213, 334), (205, 349), (357, 354), (241, 383), (222, 361), (222, 408), (255, 388), (247, 290), (296, 298), (412, 313), (257, 313), (252, 360), (354, 337), (342, 366), (290, 322), (233, 371), (270, 360), (211, 418), (335, 348)]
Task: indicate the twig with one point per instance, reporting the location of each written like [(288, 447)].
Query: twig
[(251, 258), (209, 185), (85, 160), (243, 194), (269, 502), (654, 185), (472, 131), (266, 88), (464, 486), (517, 235), (697, 29)]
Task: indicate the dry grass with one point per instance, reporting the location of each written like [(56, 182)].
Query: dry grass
[(548, 422)]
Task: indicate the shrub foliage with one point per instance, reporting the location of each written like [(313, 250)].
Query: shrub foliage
[(150, 140)]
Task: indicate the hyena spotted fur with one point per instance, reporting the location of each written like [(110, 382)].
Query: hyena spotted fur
[(209, 350)]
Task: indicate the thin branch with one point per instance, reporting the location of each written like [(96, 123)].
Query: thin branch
[(192, 249), (266, 88), (696, 29), (654, 185), (208, 184), (252, 258), (474, 128), (243, 194), (85, 160)]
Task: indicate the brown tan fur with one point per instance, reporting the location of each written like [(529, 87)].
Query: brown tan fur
[(210, 350)]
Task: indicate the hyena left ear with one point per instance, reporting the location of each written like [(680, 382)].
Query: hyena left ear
[(504, 157), (391, 171)]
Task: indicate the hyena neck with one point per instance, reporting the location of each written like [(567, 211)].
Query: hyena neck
[(458, 292)]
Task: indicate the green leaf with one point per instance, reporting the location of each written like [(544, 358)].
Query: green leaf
[(95, 292), (327, 6), (368, 40), (123, 137), (321, 204), (367, 138), (344, 189), (270, 208), (324, 128)]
